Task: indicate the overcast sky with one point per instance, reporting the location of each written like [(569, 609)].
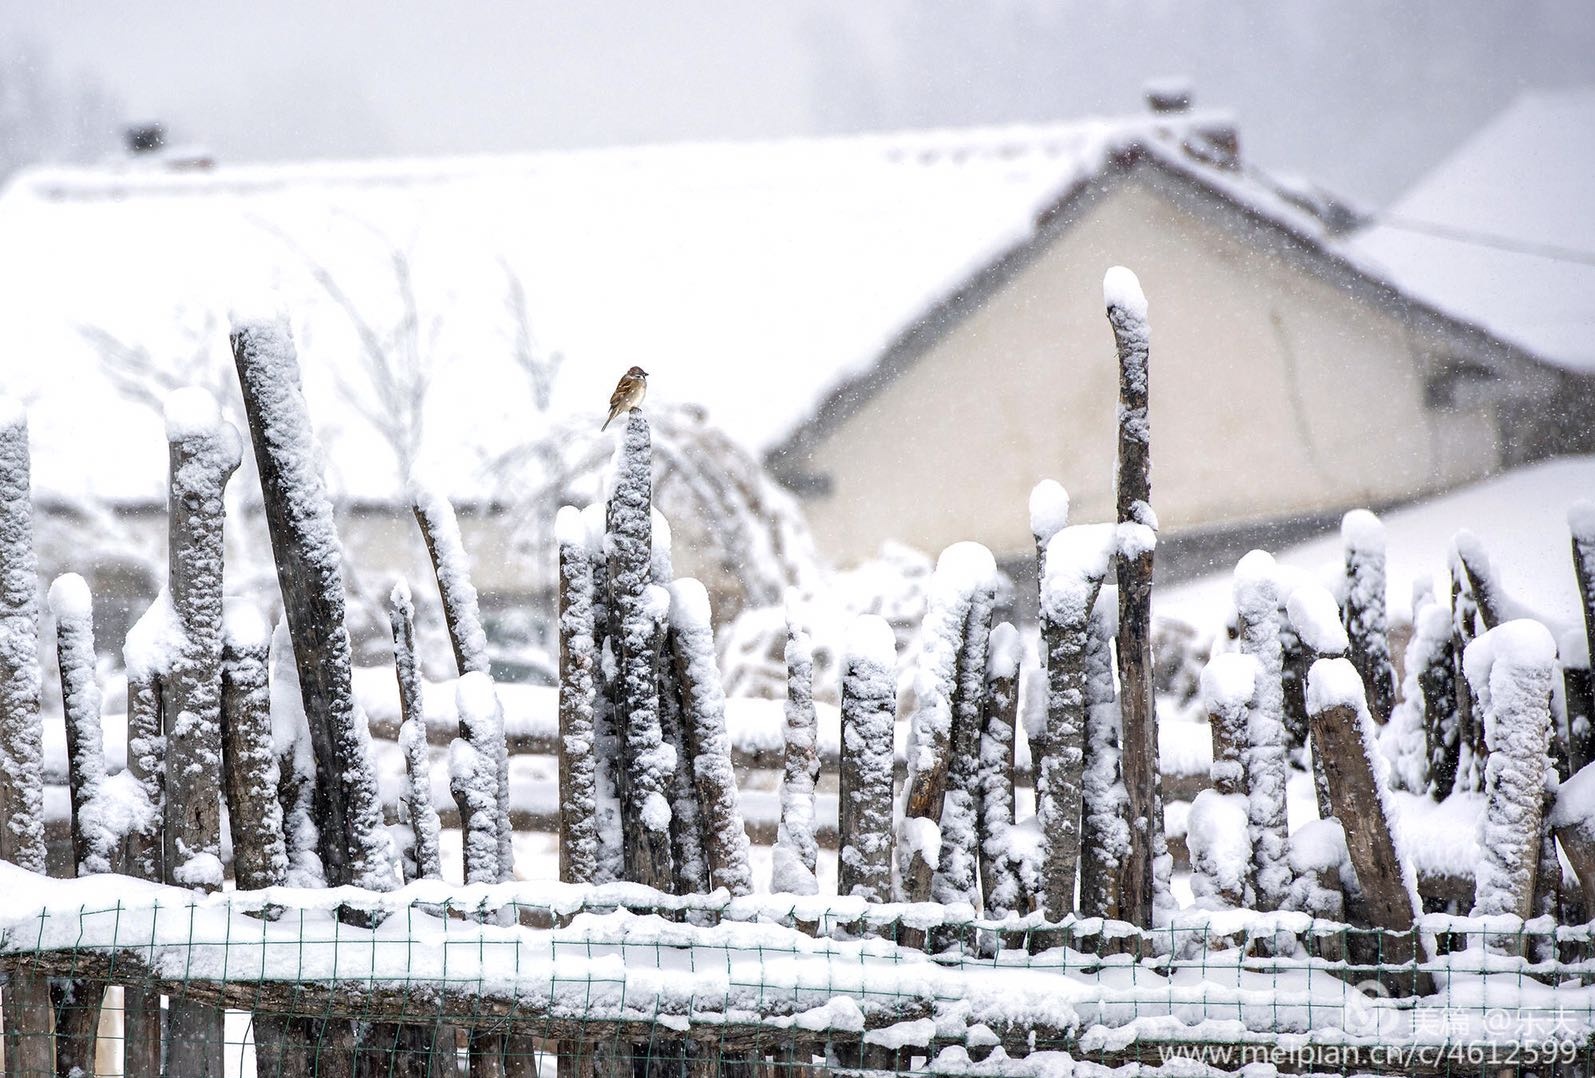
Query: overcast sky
[(1342, 91)]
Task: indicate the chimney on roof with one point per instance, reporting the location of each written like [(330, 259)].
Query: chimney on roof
[(144, 139), (1167, 97)]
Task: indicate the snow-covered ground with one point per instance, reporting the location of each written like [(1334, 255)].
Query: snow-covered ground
[(1521, 518)]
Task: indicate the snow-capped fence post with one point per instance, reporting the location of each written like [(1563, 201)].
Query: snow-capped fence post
[(1480, 575), (283, 1044), (1431, 658), (249, 764), (77, 1015), (999, 882), (725, 840), (1363, 536), (689, 861), (1077, 562), (644, 770), (353, 842), (578, 698), (1315, 625), (1049, 514), (1104, 824), (440, 530), (950, 643), (1257, 620), (1343, 737), (1218, 834), (425, 862), (869, 714), (1127, 313), (473, 775), (1573, 819), (1470, 729), (204, 453), (141, 855), (1510, 669), (957, 877), (796, 853), (26, 997)]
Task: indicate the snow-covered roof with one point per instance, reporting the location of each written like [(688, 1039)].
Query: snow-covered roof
[(752, 279), (1502, 233)]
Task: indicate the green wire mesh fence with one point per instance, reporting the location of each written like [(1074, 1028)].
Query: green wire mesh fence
[(522, 979)]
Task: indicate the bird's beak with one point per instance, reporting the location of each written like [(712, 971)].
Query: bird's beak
[(645, 374)]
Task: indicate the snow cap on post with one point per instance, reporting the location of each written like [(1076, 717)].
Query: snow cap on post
[(1049, 510), (1003, 651), (1316, 619), (1077, 560), (1494, 662), (689, 604), (1361, 531), (1122, 289), (569, 528), (1257, 585), (1228, 681), (69, 598), (870, 640), (1334, 683)]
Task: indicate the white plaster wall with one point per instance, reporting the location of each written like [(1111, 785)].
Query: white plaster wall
[(1272, 393)]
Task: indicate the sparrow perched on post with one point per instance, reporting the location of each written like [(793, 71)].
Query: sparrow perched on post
[(629, 392)]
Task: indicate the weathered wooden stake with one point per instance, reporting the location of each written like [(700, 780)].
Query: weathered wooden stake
[(1126, 305), (999, 883), (869, 714), (27, 997), (1077, 562), (1343, 736), (77, 1016), (353, 839), (204, 453)]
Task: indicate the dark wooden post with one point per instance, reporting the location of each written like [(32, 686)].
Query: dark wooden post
[(1510, 668), (426, 860), (645, 778), (77, 1016), (1363, 535), (1343, 737), (1077, 562), (1581, 522), (1127, 313), (204, 452), (27, 997), (725, 841), (1257, 611), (869, 716), (796, 852), (999, 882), (142, 1016), (353, 839)]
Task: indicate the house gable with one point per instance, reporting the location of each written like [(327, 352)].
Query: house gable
[(1279, 389)]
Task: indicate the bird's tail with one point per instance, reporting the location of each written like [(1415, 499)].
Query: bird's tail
[(608, 421)]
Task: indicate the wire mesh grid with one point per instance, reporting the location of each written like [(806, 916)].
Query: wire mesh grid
[(609, 981)]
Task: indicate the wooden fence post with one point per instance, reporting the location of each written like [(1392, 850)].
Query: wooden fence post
[(77, 1017), (869, 716), (1127, 313), (1077, 562), (354, 843), (1510, 668), (1257, 618), (999, 881), (204, 453), (1343, 735), (796, 852), (27, 998)]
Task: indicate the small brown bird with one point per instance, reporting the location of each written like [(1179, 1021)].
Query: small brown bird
[(629, 392)]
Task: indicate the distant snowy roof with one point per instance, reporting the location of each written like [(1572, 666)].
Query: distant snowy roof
[(752, 279), (1502, 233)]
